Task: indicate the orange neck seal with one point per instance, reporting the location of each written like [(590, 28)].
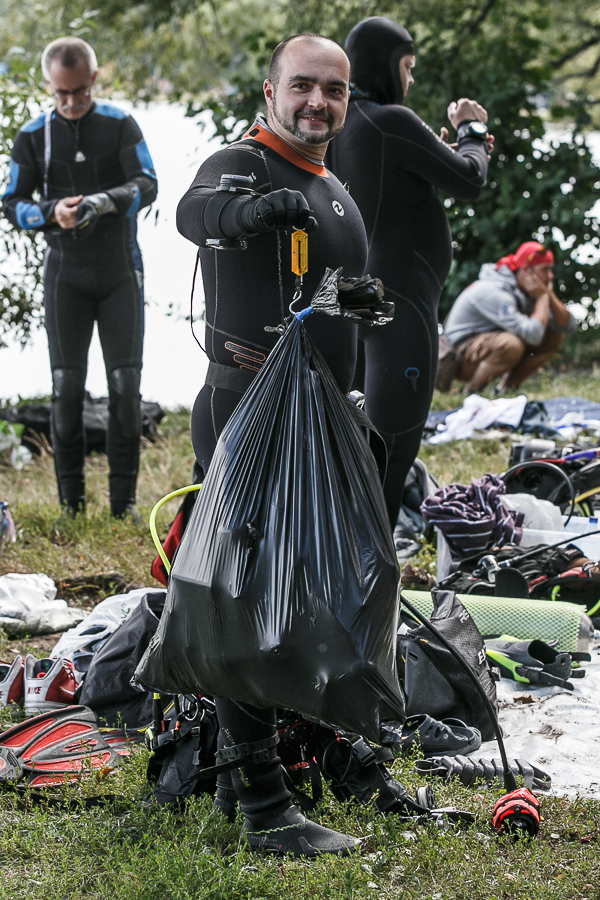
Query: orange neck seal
[(264, 136)]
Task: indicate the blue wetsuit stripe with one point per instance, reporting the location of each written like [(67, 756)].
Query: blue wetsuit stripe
[(13, 177), (135, 204), (145, 159), (29, 215)]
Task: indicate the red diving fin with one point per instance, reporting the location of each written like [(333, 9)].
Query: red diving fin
[(59, 745)]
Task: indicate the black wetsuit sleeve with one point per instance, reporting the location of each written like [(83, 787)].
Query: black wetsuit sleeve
[(24, 179), (141, 187), (204, 212), (416, 148)]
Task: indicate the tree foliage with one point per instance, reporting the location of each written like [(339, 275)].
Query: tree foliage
[(534, 64), (22, 251), (506, 55)]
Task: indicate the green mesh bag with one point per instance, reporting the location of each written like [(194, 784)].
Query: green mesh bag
[(545, 620)]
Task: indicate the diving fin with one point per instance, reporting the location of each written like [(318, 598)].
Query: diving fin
[(58, 745), (532, 662), (10, 767)]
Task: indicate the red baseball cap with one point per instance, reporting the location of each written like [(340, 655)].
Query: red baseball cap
[(529, 254)]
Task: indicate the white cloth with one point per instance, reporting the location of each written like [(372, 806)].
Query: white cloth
[(80, 643), (558, 731), (478, 413), (28, 605)]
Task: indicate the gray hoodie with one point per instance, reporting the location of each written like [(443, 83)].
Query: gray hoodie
[(496, 303)]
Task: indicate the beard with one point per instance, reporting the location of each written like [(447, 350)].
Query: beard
[(293, 126)]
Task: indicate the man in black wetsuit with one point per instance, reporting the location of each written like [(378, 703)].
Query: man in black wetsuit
[(91, 167), (246, 290), (393, 164)]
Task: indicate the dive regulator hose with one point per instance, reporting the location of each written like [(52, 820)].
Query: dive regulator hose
[(152, 520)]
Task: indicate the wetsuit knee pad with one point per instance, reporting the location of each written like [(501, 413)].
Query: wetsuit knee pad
[(67, 402), (124, 399)]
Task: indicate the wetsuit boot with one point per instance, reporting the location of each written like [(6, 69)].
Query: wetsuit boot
[(271, 822), (123, 439), (226, 798)]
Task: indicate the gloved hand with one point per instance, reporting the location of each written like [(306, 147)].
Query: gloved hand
[(89, 211), (279, 209)]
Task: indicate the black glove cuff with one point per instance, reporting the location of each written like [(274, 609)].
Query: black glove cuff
[(250, 218)]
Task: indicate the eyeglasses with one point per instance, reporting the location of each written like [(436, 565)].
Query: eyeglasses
[(78, 93)]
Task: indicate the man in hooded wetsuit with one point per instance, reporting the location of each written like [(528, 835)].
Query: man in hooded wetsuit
[(282, 159), (91, 166), (392, 163)]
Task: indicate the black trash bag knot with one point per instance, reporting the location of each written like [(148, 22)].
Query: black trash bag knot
[(358, 299)]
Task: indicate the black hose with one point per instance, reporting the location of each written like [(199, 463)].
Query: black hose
[(572, 539), (510, 782), (528, 464)]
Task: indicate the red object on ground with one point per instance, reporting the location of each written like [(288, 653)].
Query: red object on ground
[(517, 813)]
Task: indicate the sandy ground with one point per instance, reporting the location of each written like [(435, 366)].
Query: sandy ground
[(556, 730)]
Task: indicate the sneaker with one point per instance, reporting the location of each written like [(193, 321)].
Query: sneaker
[(11, 681), (48, 684)]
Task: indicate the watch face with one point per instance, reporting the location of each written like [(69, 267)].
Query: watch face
[(478, 127)]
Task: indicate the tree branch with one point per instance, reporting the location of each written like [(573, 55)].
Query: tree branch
[(575, 51), (472, 28), (589, 74), (469, 29)]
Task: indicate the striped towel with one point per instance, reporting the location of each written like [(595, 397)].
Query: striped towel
[(471, 518)]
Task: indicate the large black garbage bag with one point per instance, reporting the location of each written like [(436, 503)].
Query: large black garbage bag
[(283, 590)]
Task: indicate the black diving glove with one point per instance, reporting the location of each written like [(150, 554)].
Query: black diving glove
[(89, 211), (279, 209)]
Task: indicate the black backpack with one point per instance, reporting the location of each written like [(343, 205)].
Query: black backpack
[(434, 682), (107, 687)]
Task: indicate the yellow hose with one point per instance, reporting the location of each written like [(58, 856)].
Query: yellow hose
[(586, 494), (152, 520)]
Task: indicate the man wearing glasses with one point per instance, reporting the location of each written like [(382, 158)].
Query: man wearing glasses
[(80, 173)]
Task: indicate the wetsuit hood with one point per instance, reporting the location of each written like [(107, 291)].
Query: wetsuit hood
[(375, 47)]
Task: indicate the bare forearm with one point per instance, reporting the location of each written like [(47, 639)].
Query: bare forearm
[(560, 313), (541, 310)]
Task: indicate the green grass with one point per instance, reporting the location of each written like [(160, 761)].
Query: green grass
[(124, 851), (94, 543)]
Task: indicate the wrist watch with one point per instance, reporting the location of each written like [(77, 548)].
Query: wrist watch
[(473, 129)]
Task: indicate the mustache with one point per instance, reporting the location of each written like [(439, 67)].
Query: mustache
[(315, 114)]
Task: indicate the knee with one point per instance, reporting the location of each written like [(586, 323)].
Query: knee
[(509, 349), (124, 400), (67, 402)]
